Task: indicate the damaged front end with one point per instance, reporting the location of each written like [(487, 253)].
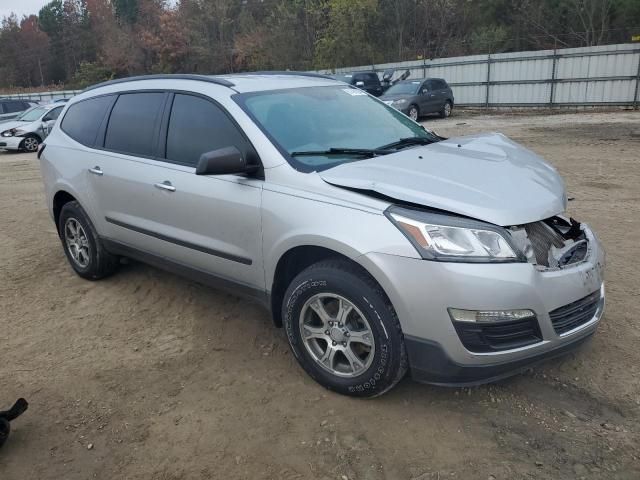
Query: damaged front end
[(554, 243)]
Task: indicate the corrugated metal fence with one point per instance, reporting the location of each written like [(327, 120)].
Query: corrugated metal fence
[(44, 96), (589, 76)]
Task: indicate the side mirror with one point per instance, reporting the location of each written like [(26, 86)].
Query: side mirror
[(425, 91), (223, 161), (359, 84)]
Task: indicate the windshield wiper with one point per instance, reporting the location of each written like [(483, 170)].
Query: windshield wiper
[(363, 152), (407, 142)]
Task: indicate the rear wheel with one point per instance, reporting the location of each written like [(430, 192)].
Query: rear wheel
[(30, 143), (343, 330), (413, 113), (447, 109), (82, 246)]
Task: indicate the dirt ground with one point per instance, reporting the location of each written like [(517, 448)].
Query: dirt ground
[(146, 375)]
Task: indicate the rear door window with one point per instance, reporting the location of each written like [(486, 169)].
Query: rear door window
[(440, 84), (82, 120), (134, 122), (197, 126)]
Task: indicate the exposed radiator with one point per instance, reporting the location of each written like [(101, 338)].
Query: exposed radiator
[(542, 237)]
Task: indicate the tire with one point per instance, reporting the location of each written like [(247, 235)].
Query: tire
[(84, 250), (413, 113), (447, 109), (30, 144), (372, 319)]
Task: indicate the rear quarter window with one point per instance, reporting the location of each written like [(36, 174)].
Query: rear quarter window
[(82, 120)]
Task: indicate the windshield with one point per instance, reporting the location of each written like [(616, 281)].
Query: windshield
[(404, 88), (32, 114), (319, 119)]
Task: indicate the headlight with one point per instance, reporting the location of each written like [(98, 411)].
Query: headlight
[(400, 102), (13, 133), (454, 239)]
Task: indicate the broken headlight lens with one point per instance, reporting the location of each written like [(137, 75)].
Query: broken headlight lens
[(449, 238)]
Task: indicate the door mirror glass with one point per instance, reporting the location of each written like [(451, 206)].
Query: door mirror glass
[(425, 91), (224, 161), (360, 84)]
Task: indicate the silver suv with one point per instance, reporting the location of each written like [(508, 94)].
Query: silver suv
[(378, 245)]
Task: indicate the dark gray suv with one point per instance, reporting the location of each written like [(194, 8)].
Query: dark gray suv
[(420, 96)]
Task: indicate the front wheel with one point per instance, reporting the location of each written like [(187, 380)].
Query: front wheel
[(343, 330), (30, 144), (413, 113)]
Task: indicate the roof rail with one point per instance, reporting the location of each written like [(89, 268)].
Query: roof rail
[(288, 72), (163, 76)]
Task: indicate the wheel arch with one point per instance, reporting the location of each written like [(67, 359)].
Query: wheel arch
[(60, 199), (34, 134), (295, 260)]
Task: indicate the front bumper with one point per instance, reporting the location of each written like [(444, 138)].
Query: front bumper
[(421, 291), (10, 143)]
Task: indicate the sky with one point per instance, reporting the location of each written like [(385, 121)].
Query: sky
[(21, 7)]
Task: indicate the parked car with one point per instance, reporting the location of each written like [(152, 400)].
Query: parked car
[(30, 128), (367, 81), (380, 247), (420, 97), (10, 109)]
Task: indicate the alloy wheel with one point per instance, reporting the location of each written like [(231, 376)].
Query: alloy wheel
[(413, 114), (337, 335), (77, 242), (31, 144)]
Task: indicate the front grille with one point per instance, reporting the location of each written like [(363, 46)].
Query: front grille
[(542, 238), (575, 314), (492, 337)]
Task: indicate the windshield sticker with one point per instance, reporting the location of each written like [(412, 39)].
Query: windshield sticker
[(354, 92)]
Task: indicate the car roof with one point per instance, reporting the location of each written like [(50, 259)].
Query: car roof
[(239, 82), (258, 82), (411, 80), (47, 106)]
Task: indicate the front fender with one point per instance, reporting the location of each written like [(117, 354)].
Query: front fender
[(293, 221)]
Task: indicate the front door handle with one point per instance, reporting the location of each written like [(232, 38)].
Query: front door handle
[(166, 185), (96, 171)]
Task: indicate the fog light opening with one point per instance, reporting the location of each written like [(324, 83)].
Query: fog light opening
[(489, 316)]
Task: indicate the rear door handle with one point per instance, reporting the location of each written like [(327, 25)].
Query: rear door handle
[(96, 171), (166, 185)]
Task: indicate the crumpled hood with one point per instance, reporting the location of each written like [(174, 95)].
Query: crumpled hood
[(488, 177), (9, 124)]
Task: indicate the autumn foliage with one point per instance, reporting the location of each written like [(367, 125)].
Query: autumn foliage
[(79, 42)]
